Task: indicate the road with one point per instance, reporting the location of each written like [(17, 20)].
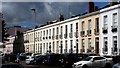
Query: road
[(29, 66), (36, 66)]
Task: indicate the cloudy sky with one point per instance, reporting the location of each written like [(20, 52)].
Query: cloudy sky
[(19, 13)]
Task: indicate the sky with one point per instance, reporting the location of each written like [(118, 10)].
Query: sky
[(19, 13)]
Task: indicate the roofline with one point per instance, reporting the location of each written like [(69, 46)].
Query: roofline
[(110, 8), (78, 17)]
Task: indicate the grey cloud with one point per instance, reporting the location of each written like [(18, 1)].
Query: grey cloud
[(16, 12)]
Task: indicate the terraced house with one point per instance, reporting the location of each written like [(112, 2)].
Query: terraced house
[(89, 30), (95, 32), (55, 37), (109, 33)]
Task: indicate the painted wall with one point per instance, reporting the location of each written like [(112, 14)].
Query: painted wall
[(109, 12)]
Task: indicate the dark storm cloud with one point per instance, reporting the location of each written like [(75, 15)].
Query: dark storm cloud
[(17, 12)]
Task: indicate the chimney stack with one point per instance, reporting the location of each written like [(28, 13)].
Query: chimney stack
[(48, 22), (61, 17), (113, 2), (95, 8), (90, 7)]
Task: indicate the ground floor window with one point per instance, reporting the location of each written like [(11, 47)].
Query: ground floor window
[(105, 44), (114, 43)]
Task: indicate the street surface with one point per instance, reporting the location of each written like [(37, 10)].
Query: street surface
[(36, 66)]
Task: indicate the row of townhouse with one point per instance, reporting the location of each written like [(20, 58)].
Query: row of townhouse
[(95, 32)]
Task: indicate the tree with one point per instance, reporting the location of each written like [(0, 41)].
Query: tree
[(5, 35), (18, 44)]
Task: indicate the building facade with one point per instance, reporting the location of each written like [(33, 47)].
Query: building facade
[(89, 33), (12, 31), (9, 45), (93, 32), (60, 37), (109, 33)]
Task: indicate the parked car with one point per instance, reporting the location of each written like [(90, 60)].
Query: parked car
[(93, 62), (39, 60), (117, 65), (12, 65), (30, 59), (52, 59), (68, 59)]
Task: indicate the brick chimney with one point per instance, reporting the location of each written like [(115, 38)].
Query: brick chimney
[(61, 17), (113, 2), (95, 8), (90, 7), (49, 22)]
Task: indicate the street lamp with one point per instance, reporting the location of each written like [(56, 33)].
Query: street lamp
[(34, 11)]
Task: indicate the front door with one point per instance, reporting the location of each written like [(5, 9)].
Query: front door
[(97, 45)]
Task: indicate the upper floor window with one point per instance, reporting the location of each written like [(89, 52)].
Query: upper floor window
[(97, 23), (83, 25), (115, 19), (76, 26), (57, 30), (50, 32), (65, 29), (89, 24), (61, 30), (46, 32), (41, 33), (105, 21), (53, 31), (71, 27)]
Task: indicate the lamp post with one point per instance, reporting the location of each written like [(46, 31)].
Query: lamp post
[(34, 11)]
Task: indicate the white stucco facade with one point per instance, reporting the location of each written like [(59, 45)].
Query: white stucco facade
[(110, 30), (51, 38), (9, 45)]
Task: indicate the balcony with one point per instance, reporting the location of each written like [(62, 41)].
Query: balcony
[(105, 30), (114, 50), (105, 51), (36, 39), (26, 41), (57, 36), (65, 35), (89, 32), (96, 31), (49, 37), (43, 38), (46, 37), (76, 34), (82, 33), (89, 50), (65, 50), (61, 37), (82, 50), (71, 35), (40, 38), (53, 37), (114, 28)]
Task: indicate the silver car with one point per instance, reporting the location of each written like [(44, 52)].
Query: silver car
[(92, 62)]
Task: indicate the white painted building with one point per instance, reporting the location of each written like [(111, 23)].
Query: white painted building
[(60, 37), (9, 45), (110, 30)]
